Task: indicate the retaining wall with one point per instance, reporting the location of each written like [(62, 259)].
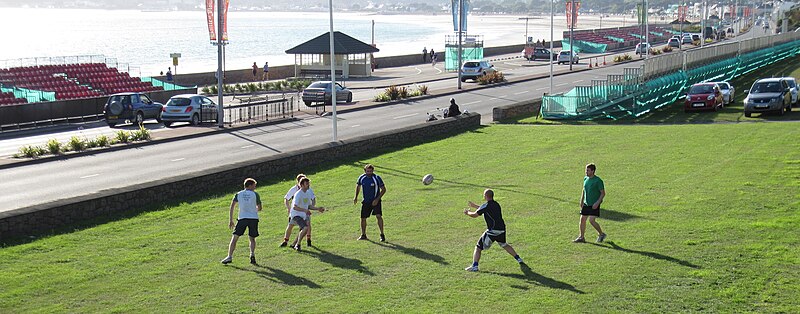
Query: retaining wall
[(515, 110), (45, 217)]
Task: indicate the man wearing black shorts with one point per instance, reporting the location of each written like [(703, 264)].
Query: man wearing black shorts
[(495, 229), (249, 205), (593, 193), (371, 204)]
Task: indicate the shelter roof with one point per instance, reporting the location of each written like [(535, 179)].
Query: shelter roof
[(342, 44)]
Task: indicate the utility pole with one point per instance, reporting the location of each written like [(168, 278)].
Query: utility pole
[(220, 73), (333, 74), (552, 15)]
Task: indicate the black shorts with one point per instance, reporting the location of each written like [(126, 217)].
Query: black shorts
[(587, 210), (490, 236), (250, 224), (299, 221), (367, 209)]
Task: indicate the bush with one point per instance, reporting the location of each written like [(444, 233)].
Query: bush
[(121, 136), (423, 89), (709, 40), (251, 87), (490, 78), (403, 92), (142, 134), (76, 144), (393, 92), (102, 141), (667, 48), (31, 151), (206, 90), (382, 97), (213, 89), (54, 147)]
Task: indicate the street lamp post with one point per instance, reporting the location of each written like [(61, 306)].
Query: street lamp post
[(552, 15), (333, 73)]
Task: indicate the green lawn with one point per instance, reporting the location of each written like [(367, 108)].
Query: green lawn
[(700, 218), (731, 113)]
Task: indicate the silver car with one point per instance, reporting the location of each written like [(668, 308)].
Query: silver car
[(728, 92), (793, 88), (320, 93), (564, 57), (768, 95), (191, 108)]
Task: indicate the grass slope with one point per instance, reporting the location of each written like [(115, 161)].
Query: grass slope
[(700, 218)]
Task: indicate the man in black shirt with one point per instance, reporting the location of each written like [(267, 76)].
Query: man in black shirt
[(495, 228)]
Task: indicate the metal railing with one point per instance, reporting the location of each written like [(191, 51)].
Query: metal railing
[(259, 109)]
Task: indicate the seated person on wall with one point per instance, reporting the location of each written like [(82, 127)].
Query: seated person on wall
[(453, 110)]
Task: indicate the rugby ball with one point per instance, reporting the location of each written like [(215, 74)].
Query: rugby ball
[(427, 179)]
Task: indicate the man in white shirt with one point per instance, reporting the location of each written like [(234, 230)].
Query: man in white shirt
[(287, 201), (249, 205), (302, 205)]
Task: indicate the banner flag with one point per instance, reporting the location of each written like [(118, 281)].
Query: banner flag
[(464, 12), (212, 31), (225, 21), (454, 9), (572, 13)]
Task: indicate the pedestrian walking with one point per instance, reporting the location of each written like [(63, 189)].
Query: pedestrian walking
[(374, 189), (169, 74), (593, 194), (433, 57), (255, 71), (495, 229), (265, 76), (287, 201), (424, 54), (249, 205), (302, 205)]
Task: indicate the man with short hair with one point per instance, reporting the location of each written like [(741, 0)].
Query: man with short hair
[(374, 189), (249, 205), (593, 193), (302, 205), (495, 229), (287, 201)]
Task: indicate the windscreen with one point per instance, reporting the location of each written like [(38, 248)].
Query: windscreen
[(701, 89), (767, 87), (182, 102), (319, 85)]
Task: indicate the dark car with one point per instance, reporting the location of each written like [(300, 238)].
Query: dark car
[(133, 107), (768, 95), (674, 42), (320, 92), (703, 96), (539, 53), (191, 108)]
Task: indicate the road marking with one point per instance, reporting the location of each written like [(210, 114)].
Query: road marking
[(543, 88), (355, 126), (419, 71), (578, 81), (179, 159), (307, 135), (520, 93), (405, 116), (90, 176), (469, 103), (504, 96), (562, 84), (248, 146)]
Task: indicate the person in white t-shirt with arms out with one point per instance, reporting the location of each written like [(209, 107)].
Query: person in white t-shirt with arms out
[(302, 205), (287, 201)]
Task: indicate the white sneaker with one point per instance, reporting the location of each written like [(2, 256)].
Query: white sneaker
[(471, 268), (227, 260)]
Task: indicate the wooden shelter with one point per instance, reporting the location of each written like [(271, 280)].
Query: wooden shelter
[(352, 57)]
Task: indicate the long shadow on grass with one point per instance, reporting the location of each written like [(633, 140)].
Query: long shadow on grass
[(537, 279), (659, 256), (413, 252), (417, 176), (617, 215), (339, 261), (279, 276)]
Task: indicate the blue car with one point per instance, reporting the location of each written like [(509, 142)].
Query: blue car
[(133, 107)]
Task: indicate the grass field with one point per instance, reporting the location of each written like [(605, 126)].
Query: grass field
[(700, 217), (731, 113)]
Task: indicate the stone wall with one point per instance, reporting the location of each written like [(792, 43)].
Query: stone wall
[(515, 110), (45, 217)]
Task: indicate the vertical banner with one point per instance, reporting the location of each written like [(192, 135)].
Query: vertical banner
[(569, 14), (572, 13), (464, 12), (225, 21), (454, 9), (642, 15), (212, 31)]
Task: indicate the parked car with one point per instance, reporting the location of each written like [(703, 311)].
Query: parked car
[(538, 53), (642, 48), (768, 95), (703, 96), (678, 37), (792, 88), (133, 107), (320, 93), (728, 92), (687, 39), (674, 42), (695, 37), (564, 57), (473, 69), (191, 108)]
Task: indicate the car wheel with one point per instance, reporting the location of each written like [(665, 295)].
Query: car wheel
[(463, 79), (349, 97), (195, 119), (308, 103), (168, 124), (789, 108), (139, 118), (747, 114)]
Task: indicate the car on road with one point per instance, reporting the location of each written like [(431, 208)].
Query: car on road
[(133, 107), (642, 48), (703, 96), (473, 69), (191, 108), (674, 42), (687, 39), (320, 93), (564, 57), (728, 92), (538, 53), (768, 95), (695, 37), (793, 88)]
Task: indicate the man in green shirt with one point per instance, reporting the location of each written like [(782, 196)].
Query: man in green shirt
[(591, 198)]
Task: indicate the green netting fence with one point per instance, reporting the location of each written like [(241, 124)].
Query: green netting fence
[(584, 46), (30, 94), (165, 85), (451, 56), (617, 39)]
